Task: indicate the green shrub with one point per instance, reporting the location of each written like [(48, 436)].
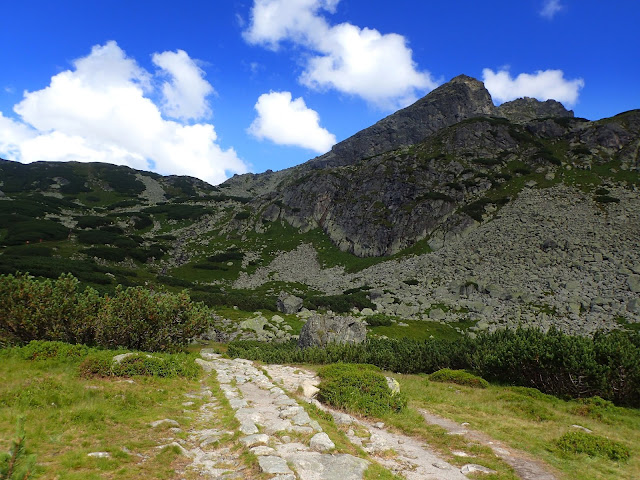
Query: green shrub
[(379, 320), (242, 215), (459, 377), (140, 319), (606, 199), (593, 445), (594, 407), (607, 365), (358, 388), (99, 237), (17, 464), (411, 281), (46, 310), (101, 364), (339, 303), (34, 231), (90, 221), (31, 250), (48, 350)]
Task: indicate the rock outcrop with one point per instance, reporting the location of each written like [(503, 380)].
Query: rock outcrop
[(322, 330)]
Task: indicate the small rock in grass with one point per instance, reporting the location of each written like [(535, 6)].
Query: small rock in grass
[(165, 421), (584, 429), (473, 468), (99, 455)]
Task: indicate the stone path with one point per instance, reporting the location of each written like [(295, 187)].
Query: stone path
[(405, 456), (207, 459), (526, 467), (288, 443)]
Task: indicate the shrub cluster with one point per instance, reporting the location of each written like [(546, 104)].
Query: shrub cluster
[(134, 318), (93, 362), (593, 445), (360, 388), (606, 365), (339, 303), (459, 377)]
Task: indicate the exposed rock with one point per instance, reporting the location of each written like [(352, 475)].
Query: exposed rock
[(321, 442), (99, 454), (164, 422), (393, 385), (321, 330), (289, 303), (525, 109), (473, 468)]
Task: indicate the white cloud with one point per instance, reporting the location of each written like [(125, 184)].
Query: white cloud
[(185, 95), (290, 122), (543, 85), (101, 111), (550, 8), (353, 60)]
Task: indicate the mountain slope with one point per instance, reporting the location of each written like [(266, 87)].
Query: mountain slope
[(530, 216)]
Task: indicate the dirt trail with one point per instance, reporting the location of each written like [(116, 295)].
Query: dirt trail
[(525, 466)]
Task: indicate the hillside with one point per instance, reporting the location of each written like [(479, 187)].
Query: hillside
[(451, 211)]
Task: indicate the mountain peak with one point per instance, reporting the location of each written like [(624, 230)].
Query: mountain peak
[(461, 98)]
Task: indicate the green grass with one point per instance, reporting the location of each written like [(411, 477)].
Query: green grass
[(422, 329), (505, 412), (68, 417)]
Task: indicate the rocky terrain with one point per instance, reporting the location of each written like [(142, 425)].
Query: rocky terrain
[(451, 210)]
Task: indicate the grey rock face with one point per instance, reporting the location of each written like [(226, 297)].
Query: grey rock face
[(461, 98), (289, 303), (525, 109), (321, 330)]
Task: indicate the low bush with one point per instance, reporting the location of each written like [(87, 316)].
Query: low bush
[(339, 303), (593, 445), (379, 320), (359, 388), (101, 364), (607, 365), (134, 318), (606, 199), (140, 319), (459, 377)]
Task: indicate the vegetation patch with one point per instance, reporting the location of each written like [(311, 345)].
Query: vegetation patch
[(593, 446), (358, 388), (459, 377)]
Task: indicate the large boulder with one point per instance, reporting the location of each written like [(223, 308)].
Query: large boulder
[(321, 330), (289, 303)]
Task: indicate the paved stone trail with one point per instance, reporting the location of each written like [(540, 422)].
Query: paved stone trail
[(207, 459), (403, 455), (290, 445)]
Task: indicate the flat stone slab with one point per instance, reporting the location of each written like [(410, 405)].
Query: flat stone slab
[(273, 465), (317, 466), (256, 439)]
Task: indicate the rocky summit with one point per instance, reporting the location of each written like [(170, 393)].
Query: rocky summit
[(452, 211)]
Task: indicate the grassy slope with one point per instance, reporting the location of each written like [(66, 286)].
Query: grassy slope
[(68, 417)]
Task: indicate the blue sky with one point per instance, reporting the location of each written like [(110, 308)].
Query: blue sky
[(212, 88)]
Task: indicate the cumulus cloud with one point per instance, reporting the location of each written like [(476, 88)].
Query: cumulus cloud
[(290, 122), (543, 85), (357, 61), (102, 110), (550, 8), (185, 94)]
